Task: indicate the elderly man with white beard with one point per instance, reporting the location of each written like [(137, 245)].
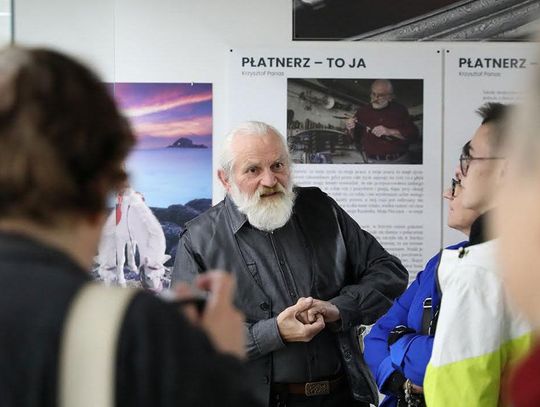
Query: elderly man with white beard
[(307, 275)]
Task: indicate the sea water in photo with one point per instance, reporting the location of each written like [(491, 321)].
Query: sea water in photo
[(169, 176)]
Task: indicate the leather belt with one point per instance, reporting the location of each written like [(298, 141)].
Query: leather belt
[(385, 157), (319, 388)]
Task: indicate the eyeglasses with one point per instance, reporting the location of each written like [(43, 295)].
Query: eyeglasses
[(455, 183), (465, 162)]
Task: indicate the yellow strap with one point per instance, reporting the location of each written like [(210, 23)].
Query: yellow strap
[(88, 348)]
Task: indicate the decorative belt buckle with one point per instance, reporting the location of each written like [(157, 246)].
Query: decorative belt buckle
[(317, 388)]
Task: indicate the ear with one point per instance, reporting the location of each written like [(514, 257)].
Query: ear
[(224, 179)]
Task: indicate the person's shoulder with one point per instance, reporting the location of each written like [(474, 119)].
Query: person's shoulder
[(397, 106), (315, 206), (153, 326), (430, 269), (146, 311), (483, 257), (209, 216), (435, 261), (307, 195), (431, 265), (145, 302), (471, 267), (308, 191)]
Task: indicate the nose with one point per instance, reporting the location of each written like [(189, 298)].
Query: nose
[(457, 172), (268, 178)]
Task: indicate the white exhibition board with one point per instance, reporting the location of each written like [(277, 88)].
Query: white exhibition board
[(476, 74), (399, 203), (192, 44)]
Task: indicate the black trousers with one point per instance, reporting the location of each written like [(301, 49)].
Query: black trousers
[(339, 398)]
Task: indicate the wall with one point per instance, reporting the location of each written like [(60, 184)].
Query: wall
[(165, 40), (5, 22), (178, 41)]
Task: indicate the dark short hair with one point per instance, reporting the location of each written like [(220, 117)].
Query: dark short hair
[(495, 114), (466, 149), (63, 141)]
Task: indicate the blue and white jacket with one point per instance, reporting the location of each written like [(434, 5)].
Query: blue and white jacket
[(410, 354)]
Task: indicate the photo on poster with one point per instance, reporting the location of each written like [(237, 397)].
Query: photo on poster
[(170, 182), (416, 20), (355, 121)]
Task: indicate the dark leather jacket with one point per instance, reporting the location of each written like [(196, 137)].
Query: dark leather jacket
[(347, 260)]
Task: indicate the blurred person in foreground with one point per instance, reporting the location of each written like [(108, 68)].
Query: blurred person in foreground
[(399, 345), (62, 145), (518, 222), (479, 333)]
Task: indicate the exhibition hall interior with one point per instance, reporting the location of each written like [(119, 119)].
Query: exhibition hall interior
[(269, 203)]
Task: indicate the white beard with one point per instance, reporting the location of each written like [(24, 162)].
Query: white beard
[(268, 213), (379, 105)]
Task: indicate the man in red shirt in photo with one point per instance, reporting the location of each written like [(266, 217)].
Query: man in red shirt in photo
[(383, 129)]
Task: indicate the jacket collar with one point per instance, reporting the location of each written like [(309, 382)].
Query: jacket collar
[(238, 219)]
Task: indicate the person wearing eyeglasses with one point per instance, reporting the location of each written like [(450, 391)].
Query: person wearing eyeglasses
[(383, 129), (398, 346), (479, 335)]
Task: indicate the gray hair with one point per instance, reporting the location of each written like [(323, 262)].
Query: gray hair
[(252, 129)]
